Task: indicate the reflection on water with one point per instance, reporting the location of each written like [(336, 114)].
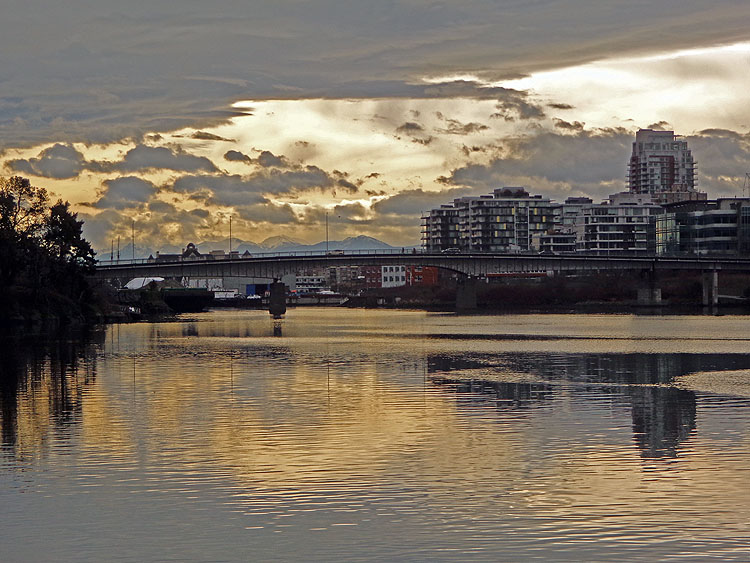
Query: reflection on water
[(663, 415), (352, 435), (41, 388)]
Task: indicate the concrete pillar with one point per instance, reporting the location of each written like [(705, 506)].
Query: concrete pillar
[(277, 299), (466, 294), (710, 288), (649, 294)]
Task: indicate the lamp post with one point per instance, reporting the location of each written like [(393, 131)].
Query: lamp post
[(132, 234)]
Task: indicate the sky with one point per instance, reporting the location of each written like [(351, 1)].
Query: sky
[(174, 116)]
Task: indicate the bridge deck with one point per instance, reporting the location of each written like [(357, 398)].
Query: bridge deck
[(274, 267)]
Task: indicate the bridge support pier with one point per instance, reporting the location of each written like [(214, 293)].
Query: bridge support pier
[(649, 294), (466, 294), (277, 298), (710, 281)]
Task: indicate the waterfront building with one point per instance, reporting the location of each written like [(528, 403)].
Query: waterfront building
[(662, 166), (719, 227), (504, 221), (421, 275), (620, 224), (440, 229), (393, 276), (309, 283), (555, 242)]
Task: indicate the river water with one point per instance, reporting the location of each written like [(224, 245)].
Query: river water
[(370, 435)]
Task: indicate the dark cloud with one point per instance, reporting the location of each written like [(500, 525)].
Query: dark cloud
[(158, 206), (124, 192), (206, 136), (63, 161), (660, 126), (457, 128), (409, 128), (266, 212), (201, 213), (253, 188), (568, 126), (266, 159), (516, 105), (142, 157), (560, 106), (59, 161), (236, 156)]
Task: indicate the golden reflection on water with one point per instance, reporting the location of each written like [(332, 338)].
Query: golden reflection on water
[(434, 435)]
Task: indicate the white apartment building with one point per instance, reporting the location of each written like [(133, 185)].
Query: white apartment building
[(620, 224), (393, 276)]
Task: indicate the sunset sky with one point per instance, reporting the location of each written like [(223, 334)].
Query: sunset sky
[(180, 114)]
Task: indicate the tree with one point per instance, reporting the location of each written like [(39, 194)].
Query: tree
[(63, 238), (44, 259), (22, 208), (22, 216)]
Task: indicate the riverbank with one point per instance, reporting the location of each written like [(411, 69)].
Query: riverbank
[(595, 293)]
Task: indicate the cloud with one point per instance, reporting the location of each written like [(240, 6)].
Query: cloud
[(414, 202), (568, 126), (142, 157), (59, 161), (266, 212), (660, 126), (266, 159), (106, 71), (124, 192), (515, 105), (722, 158), (254, 188), (586, 162), (409, 128), (457, 128), (205, 136), (236, 156)]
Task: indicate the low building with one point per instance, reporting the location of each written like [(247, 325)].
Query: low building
[(421, 275), (618, 225), (393, 276), (718, 227), (556, 242)]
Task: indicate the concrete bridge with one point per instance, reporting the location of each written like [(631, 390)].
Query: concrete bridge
[(469, 266)]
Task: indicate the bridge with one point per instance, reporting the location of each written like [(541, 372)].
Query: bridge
[(470, 266)]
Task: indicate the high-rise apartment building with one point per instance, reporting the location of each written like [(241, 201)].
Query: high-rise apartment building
[(662, 166)]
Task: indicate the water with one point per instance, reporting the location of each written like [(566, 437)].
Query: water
[(358, 435)]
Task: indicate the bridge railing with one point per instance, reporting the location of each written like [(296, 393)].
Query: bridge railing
[(291, 254), (599, 255)]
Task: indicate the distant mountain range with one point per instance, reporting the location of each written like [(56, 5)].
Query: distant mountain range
[(271, 244)]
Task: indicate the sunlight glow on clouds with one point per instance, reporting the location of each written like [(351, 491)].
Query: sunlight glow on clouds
[(690, 89), (376, 163)]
